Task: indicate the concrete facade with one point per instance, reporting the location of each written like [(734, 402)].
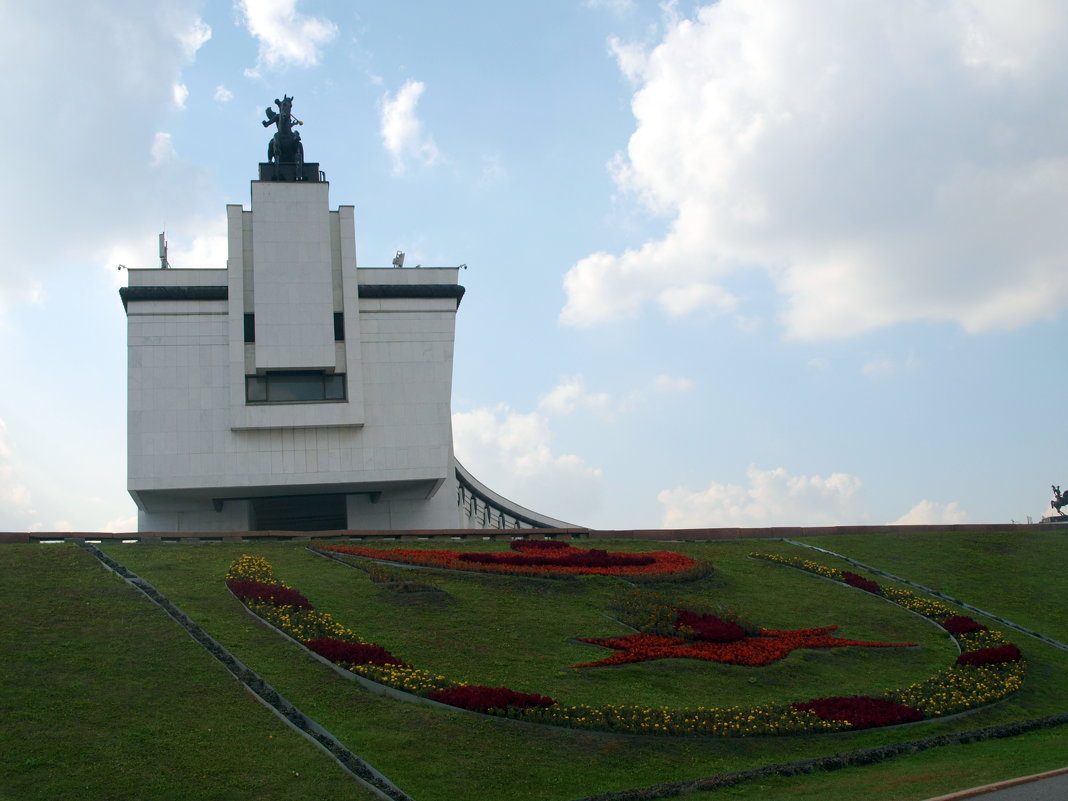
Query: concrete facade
[(292, 389)]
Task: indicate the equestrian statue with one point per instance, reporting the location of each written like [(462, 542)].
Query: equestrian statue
[(285, 146), (1060, 499)]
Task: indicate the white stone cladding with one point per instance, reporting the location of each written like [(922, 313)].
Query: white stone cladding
[(293, 297), (201, 457)]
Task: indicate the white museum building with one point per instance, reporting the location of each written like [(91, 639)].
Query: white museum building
[(293, 390)]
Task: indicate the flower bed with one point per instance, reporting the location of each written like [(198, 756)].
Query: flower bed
[(483, 699), (318, 632), (991, 656), (861, 583), (861, 711), (708, 627), (253, 591), (962, 686), (352, 653), (988, 669), (532, 559), (770, 646), (959, 624)]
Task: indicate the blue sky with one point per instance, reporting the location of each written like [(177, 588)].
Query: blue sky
[(754, 262)]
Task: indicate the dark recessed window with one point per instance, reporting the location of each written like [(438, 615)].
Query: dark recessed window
[(339, 326), (250, 328), (305, 386)]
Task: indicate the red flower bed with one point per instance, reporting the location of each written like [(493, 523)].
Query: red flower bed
[(352, 652), (272, 593), (863, 712), (571, 557), (861, 583), (771, 646), (563, 560), (962, 625), (991, 656), (539, 545), (482, 699), (709, 627)]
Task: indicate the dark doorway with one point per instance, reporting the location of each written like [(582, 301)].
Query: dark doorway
[(300, 513)]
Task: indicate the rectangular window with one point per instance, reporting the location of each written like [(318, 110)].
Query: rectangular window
[(297, 386), (250, 328), (339, 326), (256, 388)]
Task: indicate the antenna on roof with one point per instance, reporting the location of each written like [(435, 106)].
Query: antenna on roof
[(163, 263), (398, 260)]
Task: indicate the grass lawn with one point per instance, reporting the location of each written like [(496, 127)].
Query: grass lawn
[(482, 629), (1020, 577), (103, 696)]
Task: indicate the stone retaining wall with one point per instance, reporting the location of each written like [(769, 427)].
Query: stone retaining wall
[(662, 534)]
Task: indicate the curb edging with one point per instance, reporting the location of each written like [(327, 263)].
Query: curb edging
[(260, 689)]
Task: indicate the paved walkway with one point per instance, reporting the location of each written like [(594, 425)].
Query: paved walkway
[(1050, 786)]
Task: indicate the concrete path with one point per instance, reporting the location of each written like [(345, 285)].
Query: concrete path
[(1049, 786)]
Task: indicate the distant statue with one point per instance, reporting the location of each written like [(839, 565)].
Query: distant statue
[(285, 146), (1060, 499)]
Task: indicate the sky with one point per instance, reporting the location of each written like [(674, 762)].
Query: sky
[(747, 263)]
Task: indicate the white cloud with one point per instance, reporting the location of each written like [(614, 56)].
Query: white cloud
[(618, 7), (120, 525), (285, 36), (510, 452), (928, 513), (129, 57), (402, 130), (493, 172), (570, 394), (16, 506), (192, 34), (196, 243), (162, 149), (222, 94), (884, 367), (669, 383), (772, 498), (632, 58), (179, 93), (881, 162), (679, 301)]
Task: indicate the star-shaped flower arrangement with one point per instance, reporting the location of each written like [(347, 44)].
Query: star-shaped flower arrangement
[(697, 635)]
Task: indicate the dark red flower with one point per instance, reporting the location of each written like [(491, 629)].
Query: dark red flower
[(571, 557), (352, 652), (991, 656), (272, 593), (962, 625), (482, 699), (862, 711), (539, 545), (709, 627), (861, 583)]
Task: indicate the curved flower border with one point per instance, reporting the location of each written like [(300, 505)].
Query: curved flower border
[(963, 686), (560, 560), (988, 669)]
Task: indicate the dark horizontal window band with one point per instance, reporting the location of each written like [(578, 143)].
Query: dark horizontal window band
[(135, 293), (128, 293), (412, 291), (294, 386)]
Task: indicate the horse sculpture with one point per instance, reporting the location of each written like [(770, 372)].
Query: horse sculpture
[(1060, 499), (285, 146)]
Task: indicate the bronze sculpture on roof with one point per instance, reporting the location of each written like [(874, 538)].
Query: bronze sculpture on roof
[(285, 146)]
